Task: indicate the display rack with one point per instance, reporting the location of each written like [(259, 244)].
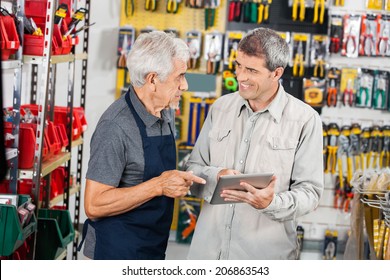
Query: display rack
[(43, 85)]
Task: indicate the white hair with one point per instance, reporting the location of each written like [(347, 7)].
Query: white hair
[(155, 52)]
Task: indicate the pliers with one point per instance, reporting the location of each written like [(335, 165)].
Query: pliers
[(301, 4), (350, 43), (263, 10), (129, 7), (348, 93), (363, 89), (172, 6), (368, 42), (150, 5), (365, 147), (319, 5), (332, 93), (375, 143), (320, 65), (333, 134), (212, 54), (380, 92), (298, 61), (383, 43)]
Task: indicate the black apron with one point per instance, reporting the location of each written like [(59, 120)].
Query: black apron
[(143, 232)]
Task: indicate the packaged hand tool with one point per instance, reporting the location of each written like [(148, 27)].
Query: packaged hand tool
[(333, 83), (368, 35), (194, 42), (383, 44), (381, 90), (366, 86), (317, 55), (336, 33), (313, 91), (330, 245), (348, 85), (213, 51), (351, 25), (300, 53)]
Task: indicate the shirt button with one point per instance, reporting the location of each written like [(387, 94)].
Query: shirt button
[(275, 146), (241, 161), (246, 140), (231, 205)]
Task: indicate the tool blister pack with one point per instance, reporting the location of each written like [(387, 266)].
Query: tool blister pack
[(314, 91), (366, 86), (332, 87), (351, 24), (348, 85), (125, 42), (383, 45), (336, 34), (213, 47), (380, 98), (318, 54), (194, 41), (368, 35), (300, 53)]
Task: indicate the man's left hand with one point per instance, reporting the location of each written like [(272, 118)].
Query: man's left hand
[(257, 198)]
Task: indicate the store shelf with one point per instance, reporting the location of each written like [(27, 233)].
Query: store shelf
[(47, 166), (81, 56), (77, 142), (10, 153), (60, 197), (10, 64), (55, 59)]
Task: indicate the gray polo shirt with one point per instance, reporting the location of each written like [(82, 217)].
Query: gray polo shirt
[(116, 157)]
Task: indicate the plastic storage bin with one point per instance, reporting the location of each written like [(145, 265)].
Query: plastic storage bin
[(12, 234), (9, 37), (55, 232)]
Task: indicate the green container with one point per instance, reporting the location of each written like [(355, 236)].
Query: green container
[(55, 232), (12, 234)]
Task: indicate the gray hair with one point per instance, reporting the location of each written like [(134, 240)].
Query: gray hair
[(266, 43), (155, 52)]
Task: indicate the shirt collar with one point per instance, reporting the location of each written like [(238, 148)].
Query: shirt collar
[(275, 108), (148, 119)]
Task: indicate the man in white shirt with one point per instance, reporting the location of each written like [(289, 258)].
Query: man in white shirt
[(259, 129)]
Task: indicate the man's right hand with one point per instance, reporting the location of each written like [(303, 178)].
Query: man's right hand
[(175, 183)]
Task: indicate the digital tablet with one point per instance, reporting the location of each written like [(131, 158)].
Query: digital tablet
[(232, 182)]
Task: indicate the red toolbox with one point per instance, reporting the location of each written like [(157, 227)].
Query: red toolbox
[(9, 37)]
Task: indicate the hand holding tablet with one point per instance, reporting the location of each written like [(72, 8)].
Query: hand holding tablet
[(232, 182)]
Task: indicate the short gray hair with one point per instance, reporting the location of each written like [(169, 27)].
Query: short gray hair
[(155, 52), (266, 43)]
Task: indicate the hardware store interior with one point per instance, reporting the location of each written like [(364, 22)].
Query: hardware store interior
[(339, 65)]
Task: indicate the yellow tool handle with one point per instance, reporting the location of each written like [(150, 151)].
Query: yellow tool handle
[(322, 13), (302, 11), (349, 169), (260, 13), (301, 67), (357, 163), (341, 177), (381, 159), (315, 17), (295, 67), (368, 159), (295, 10), (362, 156), (266, 12), (375, 159)]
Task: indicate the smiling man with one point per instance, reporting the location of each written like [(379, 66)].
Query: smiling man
[(131, 182), (259, 129)]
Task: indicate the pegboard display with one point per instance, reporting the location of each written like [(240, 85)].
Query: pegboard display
[(184, 20)]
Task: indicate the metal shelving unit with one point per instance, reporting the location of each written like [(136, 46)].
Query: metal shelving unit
[(43, 81)]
